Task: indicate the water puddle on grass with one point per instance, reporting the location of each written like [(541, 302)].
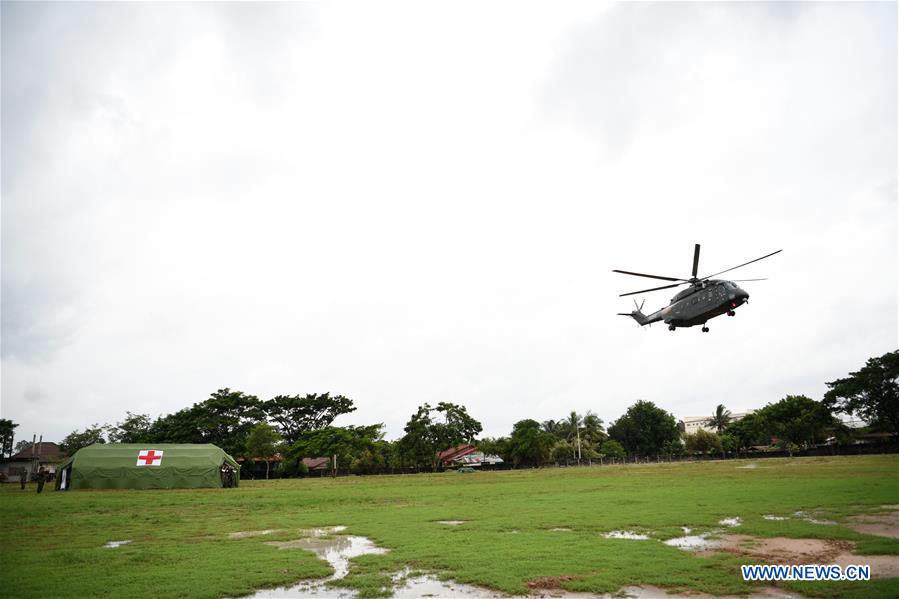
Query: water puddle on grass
[(115, 544), (809, 518), (691, 542), (735, 521), (337, 551), (451, 522), (625, 534), (776, 518), (246, 534), (559, 529), (752, 466)]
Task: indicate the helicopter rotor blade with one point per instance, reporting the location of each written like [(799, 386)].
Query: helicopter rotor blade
[(640, 274), (741, 280), (653, 289), (742, 265), (695, 260)]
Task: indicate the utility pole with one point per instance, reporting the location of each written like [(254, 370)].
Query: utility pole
[(33, 448)]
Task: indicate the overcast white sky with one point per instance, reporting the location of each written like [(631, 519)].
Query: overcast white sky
[(423, 202)]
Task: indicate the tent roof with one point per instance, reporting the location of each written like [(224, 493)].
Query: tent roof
[(126, 453), (117, 465)]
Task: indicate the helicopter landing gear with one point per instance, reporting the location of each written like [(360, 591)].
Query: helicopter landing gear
[(731, 313), (671, 327), (705, 329)]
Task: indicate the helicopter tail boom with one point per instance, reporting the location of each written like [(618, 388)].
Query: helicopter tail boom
[(640, 317)]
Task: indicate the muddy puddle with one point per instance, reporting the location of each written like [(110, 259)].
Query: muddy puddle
[(781, 550), (884, 524)]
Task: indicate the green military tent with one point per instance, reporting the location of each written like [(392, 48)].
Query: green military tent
[(147, 466)]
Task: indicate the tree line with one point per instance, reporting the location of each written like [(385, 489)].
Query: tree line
[(299, 426)]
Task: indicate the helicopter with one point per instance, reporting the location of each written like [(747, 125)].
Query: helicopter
[(704, 299)]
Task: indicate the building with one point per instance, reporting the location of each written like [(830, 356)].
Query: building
[(46, 455), (467, 455), (690, 424)]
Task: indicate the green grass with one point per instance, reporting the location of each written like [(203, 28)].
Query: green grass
[(180, 545)]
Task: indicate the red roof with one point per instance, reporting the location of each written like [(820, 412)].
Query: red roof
[(454, 453), (316, 463), (48, 452)]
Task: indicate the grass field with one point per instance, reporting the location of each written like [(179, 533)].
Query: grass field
[(180, 546)]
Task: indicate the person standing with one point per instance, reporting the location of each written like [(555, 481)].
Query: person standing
[(41, 479), (23, 477)]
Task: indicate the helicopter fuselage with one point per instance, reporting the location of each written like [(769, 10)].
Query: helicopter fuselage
[(698, 304), (704, 299)]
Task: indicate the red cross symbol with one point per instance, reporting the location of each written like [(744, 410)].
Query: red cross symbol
[(149, 457)]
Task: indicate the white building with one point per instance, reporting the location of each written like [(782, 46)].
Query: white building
[(691, 424)]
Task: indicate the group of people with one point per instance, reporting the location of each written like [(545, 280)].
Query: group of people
[(41, 478)]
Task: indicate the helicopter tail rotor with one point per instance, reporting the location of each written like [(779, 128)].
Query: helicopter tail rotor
[(637, 314)]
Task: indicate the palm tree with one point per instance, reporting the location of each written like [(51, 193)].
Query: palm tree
[(593, 431), (572, 427), (720, 418), (553, 427)]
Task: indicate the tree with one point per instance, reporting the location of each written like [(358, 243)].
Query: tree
[(78, 439), (294, 414), (797, 420), (553, 427), (872, 393), (495, 446), (747, 431), (428, 434), (21, 445), (646, 429), (529, 444), (225, 419), (593, 432), (612, 449), (134, 429), (347, 443), (261, 443), (703, 442), (720, 418), (563, 451), (7, 435), (179, 427)]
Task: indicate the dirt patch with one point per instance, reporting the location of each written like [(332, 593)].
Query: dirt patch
[(780, 550), (882, 566), (550, 582), (884, 524)]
